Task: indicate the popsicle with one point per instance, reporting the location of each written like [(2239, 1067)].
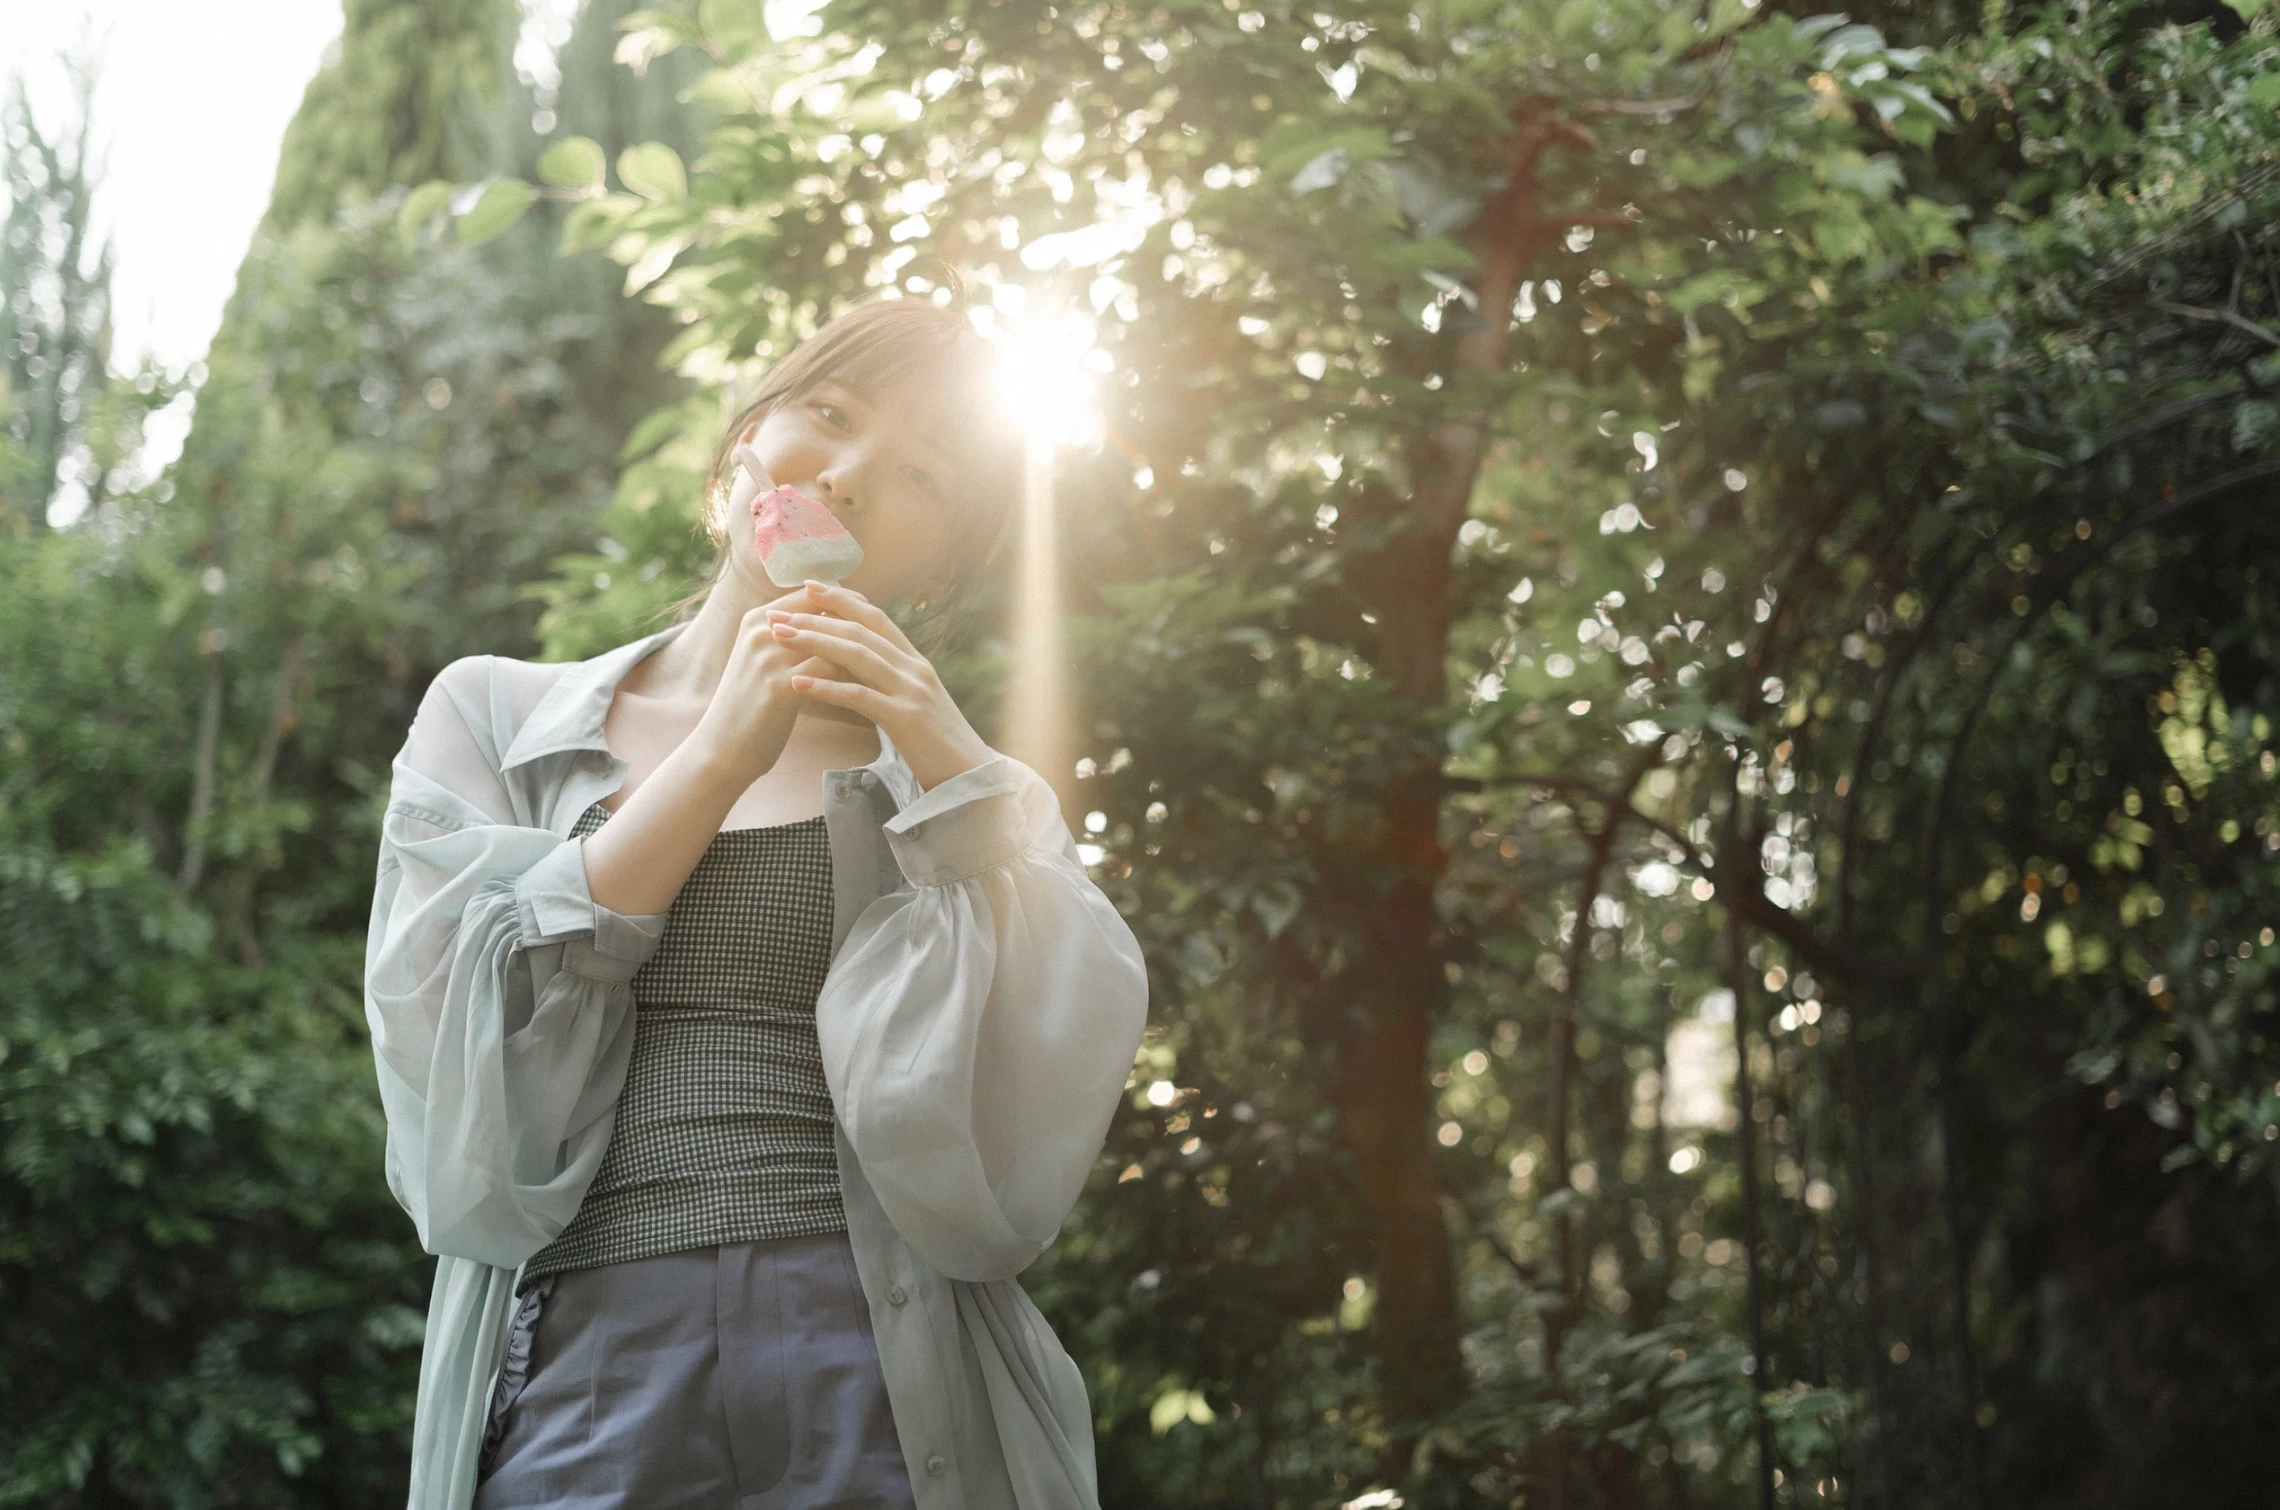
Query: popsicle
[(798, 538)]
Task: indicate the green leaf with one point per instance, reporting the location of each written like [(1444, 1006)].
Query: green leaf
[(726, 90), (650, 35), (420, 207), (1574, 20), (732, 26), (651, 432), (653, 170), (2264, 91), (502, 204), (1276, 903), (575, 162), (2252, 422), (1676, 33), (594, 222), (1841, 234), (1297, 146)]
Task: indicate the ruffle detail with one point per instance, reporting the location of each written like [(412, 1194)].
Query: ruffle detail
[(514, 1372)]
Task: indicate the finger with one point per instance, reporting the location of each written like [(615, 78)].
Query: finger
[(851, 605), (817, 666), (760, 617), (861, 659), (794, 601), (849, 629), (868, 701)]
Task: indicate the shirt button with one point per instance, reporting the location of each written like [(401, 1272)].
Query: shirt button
[(896, 1295), (936, 1464), (842, 790)]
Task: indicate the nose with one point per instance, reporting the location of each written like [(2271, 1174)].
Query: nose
[(836, 481)]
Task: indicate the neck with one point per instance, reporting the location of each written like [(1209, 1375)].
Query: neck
[(689, 667)]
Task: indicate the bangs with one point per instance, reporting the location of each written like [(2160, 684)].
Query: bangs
[(952, 370)]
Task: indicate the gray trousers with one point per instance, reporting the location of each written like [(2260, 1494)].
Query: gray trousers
[(741, 1377)]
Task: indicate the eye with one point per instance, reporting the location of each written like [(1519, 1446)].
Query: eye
[(834, 415)]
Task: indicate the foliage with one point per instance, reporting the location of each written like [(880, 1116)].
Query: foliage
[(199, 1288), (411, 96), (68, 428), (209, 1297), (1629, 545), (1520, 704)]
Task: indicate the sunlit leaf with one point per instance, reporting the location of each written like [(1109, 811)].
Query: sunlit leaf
[(575, 162), (653, 170), (420, 207), (502, 203)]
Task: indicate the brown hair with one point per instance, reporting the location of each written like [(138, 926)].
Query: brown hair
[(872, 346)]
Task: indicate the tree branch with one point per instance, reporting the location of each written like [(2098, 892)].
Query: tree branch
[(2232, 317)]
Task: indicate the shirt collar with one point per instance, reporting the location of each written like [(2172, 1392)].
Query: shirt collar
[(570, 714)]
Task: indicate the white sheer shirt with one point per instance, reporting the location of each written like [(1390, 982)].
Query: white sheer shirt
[(978, 1024)]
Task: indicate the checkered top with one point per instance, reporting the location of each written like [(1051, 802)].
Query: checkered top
[(724, 1131)]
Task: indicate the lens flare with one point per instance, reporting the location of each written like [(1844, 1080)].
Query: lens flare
[(1045, 381)]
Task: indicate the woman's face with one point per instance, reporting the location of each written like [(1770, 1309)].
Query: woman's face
[(861, 457)]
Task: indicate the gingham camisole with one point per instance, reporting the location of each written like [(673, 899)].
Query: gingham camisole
[(724, 1130)]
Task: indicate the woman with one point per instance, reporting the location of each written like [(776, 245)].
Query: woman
[(744, 1022)]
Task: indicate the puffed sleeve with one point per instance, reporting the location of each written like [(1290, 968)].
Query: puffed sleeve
[(979, 1024), (497, 993)]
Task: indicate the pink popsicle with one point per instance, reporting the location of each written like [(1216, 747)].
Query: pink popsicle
[(798, 538)]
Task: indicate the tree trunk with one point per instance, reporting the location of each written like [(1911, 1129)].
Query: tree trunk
[(1262, 1395), (1385, 1099), (1385, 1103), (202, 760), (236, 907), (1745, 1135)]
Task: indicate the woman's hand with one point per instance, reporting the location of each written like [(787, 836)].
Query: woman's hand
[(887, 680), (745, 726), (638, 861)]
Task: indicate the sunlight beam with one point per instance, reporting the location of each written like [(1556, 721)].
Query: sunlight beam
[(1045, 383)]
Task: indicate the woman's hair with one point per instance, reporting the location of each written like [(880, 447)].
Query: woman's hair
[(868, 348)]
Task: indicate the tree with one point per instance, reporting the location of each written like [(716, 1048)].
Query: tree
[(1677, 677), (55, 302), (408, 97), (210, 1297), (1566, 472)]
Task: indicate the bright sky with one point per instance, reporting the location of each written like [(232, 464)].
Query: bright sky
[(194, 98)]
